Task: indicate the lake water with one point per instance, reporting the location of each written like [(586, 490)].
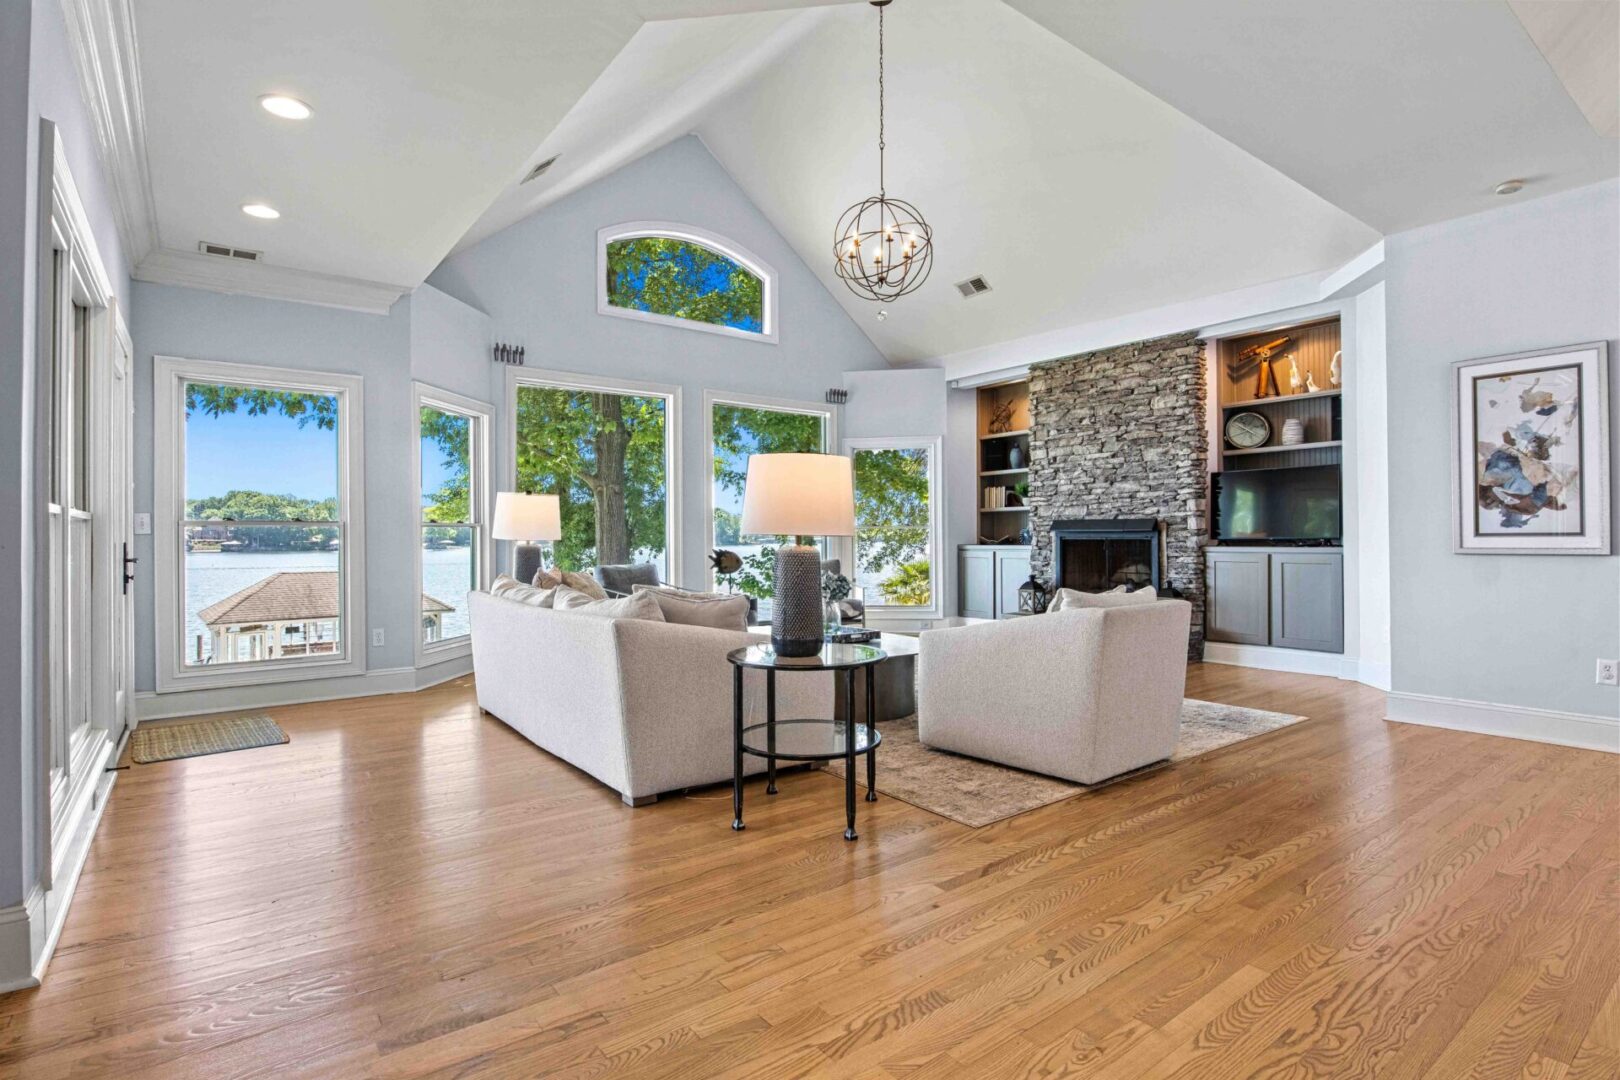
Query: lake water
[(213, 576)]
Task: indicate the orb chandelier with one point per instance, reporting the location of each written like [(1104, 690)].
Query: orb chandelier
[(882, 247)]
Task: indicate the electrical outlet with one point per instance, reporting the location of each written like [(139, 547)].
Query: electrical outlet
[(1608, 672), (377, 638)]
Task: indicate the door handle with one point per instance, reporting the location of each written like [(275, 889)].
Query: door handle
[(129, 561)]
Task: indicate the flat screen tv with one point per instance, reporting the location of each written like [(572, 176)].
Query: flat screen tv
[(1277, 505)]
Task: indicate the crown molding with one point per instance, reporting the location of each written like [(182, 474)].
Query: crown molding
[(101, 35), (166, 266)]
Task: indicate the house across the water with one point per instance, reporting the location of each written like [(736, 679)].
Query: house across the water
[(290, 613)]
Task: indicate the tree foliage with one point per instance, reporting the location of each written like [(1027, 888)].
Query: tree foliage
[(603, 456), (450, 433), (678, 278), (909, 584), (891, 518), (213, 399)]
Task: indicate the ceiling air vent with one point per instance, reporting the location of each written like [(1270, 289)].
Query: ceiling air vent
[(225, 251), (540, 170), (973, 286)]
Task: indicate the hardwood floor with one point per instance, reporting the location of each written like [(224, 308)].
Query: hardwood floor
[(410, 889)]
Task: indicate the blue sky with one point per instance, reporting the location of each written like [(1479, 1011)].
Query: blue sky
[(269, 453), (434, 474)]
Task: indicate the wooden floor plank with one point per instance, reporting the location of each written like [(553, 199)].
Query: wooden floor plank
[(408, 888)]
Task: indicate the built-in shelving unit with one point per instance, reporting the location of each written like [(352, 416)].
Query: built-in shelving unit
[(1003, 462), (1294, 449), (1310, 347)]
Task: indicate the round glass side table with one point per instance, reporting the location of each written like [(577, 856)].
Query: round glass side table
[(805, 740)]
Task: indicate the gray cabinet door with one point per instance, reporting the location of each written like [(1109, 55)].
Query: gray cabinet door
[(1012, 570), (978, 583), (1307, 600), (1237, 608)]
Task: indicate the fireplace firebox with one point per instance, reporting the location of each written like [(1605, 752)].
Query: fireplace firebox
[(1099, 554)]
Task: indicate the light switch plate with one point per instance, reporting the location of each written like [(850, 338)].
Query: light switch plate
[(143, 524)]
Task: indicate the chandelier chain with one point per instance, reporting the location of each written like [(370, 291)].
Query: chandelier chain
[(881, 188)]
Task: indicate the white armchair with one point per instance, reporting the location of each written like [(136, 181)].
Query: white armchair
[(1083, 694)]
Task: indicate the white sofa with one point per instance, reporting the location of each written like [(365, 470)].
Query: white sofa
[(1084, 694), (645, 707)]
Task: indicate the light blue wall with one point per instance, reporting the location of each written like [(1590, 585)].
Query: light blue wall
[(37, 80), (537, 281), (1521, 630)]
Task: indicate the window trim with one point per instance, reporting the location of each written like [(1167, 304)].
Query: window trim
[(936, 529), (572, 380), (480, 413), (711, 398), (170, 374), (672, 230)]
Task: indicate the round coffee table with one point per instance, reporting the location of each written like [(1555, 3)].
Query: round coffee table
[(805, 740)]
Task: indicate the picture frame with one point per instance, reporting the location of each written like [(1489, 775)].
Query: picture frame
[(1530, 453)]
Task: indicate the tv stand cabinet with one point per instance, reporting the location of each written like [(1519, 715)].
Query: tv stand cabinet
[(1284, 597)]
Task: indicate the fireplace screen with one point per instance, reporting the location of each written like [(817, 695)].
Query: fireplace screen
[(1096, 555)]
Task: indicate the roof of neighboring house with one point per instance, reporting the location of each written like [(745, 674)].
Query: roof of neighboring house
[(289, 596)]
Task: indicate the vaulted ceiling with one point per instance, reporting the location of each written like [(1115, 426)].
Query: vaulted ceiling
[(1089, 158)]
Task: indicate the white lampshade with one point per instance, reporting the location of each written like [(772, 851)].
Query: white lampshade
[(799, 495), (527, 517)]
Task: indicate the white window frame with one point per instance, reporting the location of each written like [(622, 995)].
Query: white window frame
[(711, 398), (571, 380), (479, 414), (732, 250), (876, 612), (170, 374)]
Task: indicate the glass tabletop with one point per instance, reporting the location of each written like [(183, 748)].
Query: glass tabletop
[(830, 657), (807, 740)]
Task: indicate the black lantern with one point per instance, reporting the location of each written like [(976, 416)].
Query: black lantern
[(1032, 597)]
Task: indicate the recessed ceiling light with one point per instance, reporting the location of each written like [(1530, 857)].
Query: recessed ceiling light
[(288, 108), (1509, 187), (260, 210)]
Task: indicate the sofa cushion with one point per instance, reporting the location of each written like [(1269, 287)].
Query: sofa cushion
[(623, 579), (510, 588), (550, 579), (634, 606), (1072, 599), (723, 611)]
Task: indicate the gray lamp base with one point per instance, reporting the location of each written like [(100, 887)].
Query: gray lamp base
[(526, 561), (796, 613)]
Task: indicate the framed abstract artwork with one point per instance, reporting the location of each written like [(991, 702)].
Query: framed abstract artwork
[(1530, 444)]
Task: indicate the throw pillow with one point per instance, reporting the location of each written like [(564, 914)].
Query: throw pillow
[(509, 588), (634, 606), (550, 579), (1073, 599), (722, 611)]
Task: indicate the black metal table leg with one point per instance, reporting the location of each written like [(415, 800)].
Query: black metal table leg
[(849, 755), (871, 728), (737, 748), (770, 731)]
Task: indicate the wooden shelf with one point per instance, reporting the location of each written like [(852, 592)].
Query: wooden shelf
[(1000, 472), (1004, 434), (1003, 509), (1278, 399), (1279, 449)]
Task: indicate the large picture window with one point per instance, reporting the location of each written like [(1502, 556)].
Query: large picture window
[(681, 276), (897, 539), (452, 456), (740, 427), (254, 571), (606, 449)]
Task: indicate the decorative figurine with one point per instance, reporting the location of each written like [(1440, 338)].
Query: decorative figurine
[(1295, 383), (1310, 383), (1001, 418), (1333, 368)]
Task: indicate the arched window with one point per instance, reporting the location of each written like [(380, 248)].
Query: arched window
[(663, 272)]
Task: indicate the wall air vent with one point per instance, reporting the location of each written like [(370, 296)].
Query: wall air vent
[(973, 286), (225, 251), (540, 170)]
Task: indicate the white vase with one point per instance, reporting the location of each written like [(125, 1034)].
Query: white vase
[(1293, 432)]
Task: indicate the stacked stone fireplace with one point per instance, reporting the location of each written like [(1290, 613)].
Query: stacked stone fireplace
[(1118, 445)]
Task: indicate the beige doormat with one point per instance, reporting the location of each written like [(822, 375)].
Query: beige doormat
[(979, 793), (196, 738)]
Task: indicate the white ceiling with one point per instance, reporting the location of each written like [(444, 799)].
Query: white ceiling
[(1091, 158)]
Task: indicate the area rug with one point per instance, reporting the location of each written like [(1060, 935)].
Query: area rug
[(980, 793), (196, 738)]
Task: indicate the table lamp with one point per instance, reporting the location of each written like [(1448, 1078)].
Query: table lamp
[(526, 519), (800, 496)]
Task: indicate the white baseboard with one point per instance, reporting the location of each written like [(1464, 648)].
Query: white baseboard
[(1300, 661), (29, 931), (405, 680), (1366, 672), (1512, 721)]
